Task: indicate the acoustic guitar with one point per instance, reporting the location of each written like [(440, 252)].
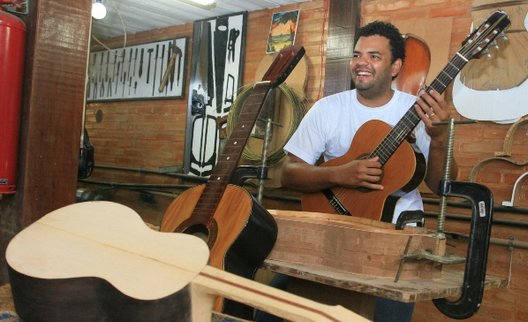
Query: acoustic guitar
[(98, 261), (240, 233), (402, 167)]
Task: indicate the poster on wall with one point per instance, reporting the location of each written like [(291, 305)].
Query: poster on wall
[(152, 70), (216, 76), (283, 30)]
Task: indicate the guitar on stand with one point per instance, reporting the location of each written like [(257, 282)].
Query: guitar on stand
[(240, 233), (403, 168)]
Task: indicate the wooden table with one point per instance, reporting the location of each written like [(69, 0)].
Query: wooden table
[(350, 261), (358, 292)]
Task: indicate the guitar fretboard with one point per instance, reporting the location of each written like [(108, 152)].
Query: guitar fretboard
[(404, 127), (228, 160)]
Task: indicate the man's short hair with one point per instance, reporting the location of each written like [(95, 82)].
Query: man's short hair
[(387, 30)]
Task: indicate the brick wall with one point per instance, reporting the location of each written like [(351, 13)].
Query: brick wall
[(150, 134)]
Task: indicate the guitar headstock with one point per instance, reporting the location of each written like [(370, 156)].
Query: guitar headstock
[(481, 37), (283, 64)]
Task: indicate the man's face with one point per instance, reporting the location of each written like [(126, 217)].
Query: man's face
[(371, 66)]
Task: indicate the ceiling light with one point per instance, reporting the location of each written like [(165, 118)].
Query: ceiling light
[(207, 4), (98, 9)]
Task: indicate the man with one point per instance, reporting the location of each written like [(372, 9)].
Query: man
[(328, 128)]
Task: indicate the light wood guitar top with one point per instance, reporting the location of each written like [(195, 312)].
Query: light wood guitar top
[(111, 242)]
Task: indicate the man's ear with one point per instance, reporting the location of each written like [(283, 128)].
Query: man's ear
[(396, 67)]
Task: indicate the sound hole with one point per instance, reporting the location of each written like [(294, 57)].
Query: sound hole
[(207, 234), (199, 231)]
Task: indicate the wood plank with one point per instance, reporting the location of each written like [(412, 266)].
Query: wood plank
[(404, 290), (352, 245)]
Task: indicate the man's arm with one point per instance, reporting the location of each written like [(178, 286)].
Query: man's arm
[(431, 107), (304, 177)]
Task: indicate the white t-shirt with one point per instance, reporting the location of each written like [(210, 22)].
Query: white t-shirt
[(330, 125)]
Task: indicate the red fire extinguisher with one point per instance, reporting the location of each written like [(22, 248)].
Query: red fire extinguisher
[(12, 47)]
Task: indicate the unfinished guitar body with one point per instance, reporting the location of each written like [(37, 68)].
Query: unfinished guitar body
[(98, 262)]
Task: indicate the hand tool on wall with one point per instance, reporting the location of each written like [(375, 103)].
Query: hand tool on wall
[(141, 63), (127, 74), (135, 62), (121, 75), (161, 62), (233, 36), (230, 90), (111, 78), (90, 78), (117, 76), (220, 48), (170, 68), (155, 69), (150, 50), (94, 78), (169, 54), (171, 78), (202, 138), (105, 79)]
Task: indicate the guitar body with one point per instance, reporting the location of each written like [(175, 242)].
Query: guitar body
[(403, 171), (89, 299), (97, 261), (241, 227), (240, 234)]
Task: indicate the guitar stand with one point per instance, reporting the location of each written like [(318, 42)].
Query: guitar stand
[(246, 172)]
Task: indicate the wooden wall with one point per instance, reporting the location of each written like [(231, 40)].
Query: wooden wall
[(57, 47)]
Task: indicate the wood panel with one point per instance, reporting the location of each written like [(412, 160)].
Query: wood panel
[(342, 24), (58, 34)]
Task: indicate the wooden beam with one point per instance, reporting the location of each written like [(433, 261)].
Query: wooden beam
[(343, 22), (58, 35)]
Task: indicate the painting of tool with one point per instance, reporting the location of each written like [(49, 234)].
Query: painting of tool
[(216, 75), (151, 70)]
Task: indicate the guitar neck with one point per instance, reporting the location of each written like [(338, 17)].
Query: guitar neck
[(409, 121), (228, 160), (272, 300)]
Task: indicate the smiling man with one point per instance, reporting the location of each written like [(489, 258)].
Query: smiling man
[(328, 131)]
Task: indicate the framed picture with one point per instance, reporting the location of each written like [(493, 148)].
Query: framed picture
[(152, 70), (283, 30), (216, 76)]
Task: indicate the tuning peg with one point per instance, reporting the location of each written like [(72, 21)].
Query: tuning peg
[(494, 44), (486, 52)]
